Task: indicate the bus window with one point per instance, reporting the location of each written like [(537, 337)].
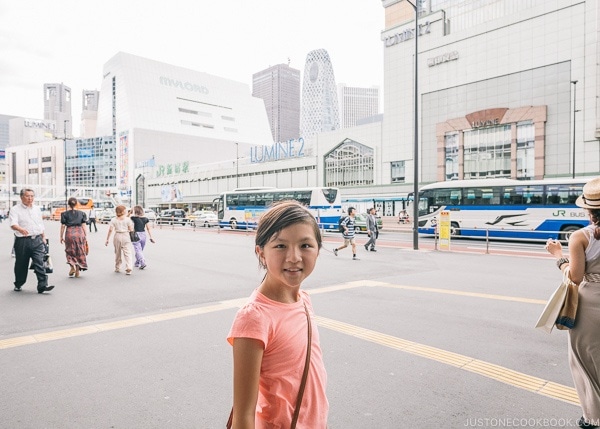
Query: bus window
[(563, 194), (303, 197), (445, 197), (232, 200)]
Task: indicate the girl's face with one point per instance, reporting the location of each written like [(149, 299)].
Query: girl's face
[(290, 256)]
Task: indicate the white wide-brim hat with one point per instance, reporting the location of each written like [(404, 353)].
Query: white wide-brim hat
[(591, 195)]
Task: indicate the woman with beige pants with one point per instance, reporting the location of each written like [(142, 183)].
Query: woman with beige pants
[(122, 226)]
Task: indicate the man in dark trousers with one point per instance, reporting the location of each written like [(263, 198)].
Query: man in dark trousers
[(92, 219), (371, 230), (30, 241)]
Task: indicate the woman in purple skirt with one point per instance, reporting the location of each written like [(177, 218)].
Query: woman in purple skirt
[(141, 225)]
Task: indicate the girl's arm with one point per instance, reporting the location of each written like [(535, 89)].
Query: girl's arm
[(110, 229), (62, 233), (149, 233), (247, 359)]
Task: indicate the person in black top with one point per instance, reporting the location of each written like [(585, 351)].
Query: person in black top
[(73, 234), (141, 225)]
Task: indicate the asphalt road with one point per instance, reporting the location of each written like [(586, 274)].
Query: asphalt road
[(410, 338)]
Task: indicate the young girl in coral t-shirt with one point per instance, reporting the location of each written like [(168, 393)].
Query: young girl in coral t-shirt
[(269, 334)]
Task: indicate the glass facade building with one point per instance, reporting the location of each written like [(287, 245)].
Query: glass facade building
[(320, 111)]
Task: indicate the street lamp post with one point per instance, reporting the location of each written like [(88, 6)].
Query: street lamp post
[(574, 82), (416, 134), (65, 160), (237, 165)]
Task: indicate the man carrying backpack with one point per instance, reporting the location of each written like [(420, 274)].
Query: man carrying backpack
[(348, 233)]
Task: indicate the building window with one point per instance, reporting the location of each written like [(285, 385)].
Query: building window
[(525, 150), (46, 159), (398, 172), (197, 124), (33, 160), (192, 112), (451, 147), (33, 171), (487, 152), (47, 170), (349, 164)]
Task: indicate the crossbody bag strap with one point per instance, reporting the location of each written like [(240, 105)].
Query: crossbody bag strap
[(306, 367)]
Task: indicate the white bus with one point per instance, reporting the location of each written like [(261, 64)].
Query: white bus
[(241, 208), (504, 208)]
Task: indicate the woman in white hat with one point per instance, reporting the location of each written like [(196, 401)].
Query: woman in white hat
[(584, 270)]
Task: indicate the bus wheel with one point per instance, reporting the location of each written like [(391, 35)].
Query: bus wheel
[(454, 229), (233, 224), (567, 231)]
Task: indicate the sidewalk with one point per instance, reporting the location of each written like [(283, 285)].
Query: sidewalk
[(390, 223)]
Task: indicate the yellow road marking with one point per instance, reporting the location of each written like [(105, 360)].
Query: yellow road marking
[(463, 293), (485, 369)]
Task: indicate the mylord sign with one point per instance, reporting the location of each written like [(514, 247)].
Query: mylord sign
[(278, 151), (188, 86)]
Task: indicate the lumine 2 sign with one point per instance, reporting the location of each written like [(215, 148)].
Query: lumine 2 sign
[(277, 151)]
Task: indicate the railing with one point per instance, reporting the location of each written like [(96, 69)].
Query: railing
[(543, 235)]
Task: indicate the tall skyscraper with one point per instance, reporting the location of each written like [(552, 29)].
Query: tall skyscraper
[(279, 87), (357, 103), (89, 113), (57, 107), (319, 96)]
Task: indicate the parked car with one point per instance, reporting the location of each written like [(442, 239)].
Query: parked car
[(360, 222), (172, 216), (150, 215), (104, 216), (205, 219)]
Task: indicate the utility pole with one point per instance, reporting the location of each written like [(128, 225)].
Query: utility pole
[(65, 159), (416, 133), (574, 82)]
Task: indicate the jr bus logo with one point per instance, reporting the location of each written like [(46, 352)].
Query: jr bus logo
[(563, 213)]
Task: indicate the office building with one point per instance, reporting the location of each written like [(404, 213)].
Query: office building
[(319, 96), (92, 163), (57, 107), (89, 113), (279, 87), (4, 130), (356, 104), (504, 89)]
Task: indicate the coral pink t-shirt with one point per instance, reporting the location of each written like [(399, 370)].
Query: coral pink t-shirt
[(283, 330)]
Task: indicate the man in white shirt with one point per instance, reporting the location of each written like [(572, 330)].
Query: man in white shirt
[(30, 242), (92, 219)]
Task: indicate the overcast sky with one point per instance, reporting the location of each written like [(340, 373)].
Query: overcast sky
[(43, 41)]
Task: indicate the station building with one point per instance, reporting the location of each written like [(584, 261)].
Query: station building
[(505, 89), (157, 111)]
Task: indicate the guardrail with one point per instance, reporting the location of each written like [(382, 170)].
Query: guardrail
[(544, 235)]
